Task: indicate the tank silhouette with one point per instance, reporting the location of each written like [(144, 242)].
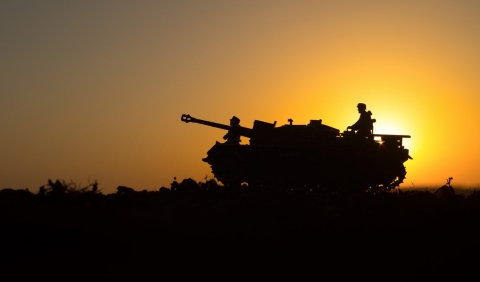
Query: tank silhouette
[(313, 156)]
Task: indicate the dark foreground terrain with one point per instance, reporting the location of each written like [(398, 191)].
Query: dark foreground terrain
[(203, 230)]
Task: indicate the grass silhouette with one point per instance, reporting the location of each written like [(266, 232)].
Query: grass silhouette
[(67, 226)]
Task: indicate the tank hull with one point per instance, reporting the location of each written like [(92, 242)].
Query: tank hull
[(340, 165)]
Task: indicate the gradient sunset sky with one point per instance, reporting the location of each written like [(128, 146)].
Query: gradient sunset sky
[(95, 89)]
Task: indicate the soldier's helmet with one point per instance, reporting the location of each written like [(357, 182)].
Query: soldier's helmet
[(234, 119), (362, 106)]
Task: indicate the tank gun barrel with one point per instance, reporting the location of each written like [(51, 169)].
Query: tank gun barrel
[(188, 118), (247, 132)]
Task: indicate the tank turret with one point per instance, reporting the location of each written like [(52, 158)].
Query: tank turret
[(311, 156)]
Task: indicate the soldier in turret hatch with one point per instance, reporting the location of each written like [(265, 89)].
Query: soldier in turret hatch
[(232, 136), (364, 125)]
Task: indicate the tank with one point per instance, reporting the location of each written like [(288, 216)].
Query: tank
[(313, 156)]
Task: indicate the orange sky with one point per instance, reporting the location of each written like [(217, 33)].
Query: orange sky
[(95, 89)]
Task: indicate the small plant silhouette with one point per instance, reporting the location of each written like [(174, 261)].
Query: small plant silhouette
[(446, 191), (60, 187), (448, 181)]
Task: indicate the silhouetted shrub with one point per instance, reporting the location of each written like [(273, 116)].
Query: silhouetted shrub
[(209, 185), (445, 191), (60, 187), (125, 190), (163, 189), (7, 192), (188, 185), (11, 196)]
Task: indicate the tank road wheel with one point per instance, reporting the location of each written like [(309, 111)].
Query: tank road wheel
[(227, 168), (391, 178)]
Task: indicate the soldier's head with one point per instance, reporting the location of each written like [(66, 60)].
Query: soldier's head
[(361, 107), (234, 121)]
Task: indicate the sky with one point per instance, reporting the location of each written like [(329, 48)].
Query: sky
[(94, 90)]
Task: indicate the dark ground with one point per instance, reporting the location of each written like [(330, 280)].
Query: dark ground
[(226, 233)]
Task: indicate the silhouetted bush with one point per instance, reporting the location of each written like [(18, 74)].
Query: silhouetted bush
[(210, 185), (125, 190), (60, 187), (9, 192), (188, 185)]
